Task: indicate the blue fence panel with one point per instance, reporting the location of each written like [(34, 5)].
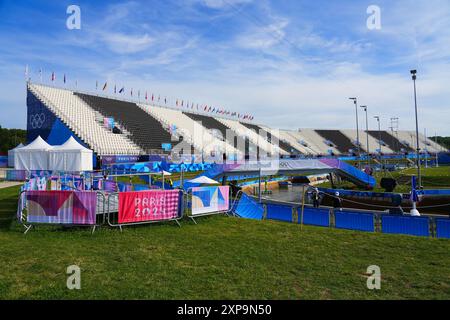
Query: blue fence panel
[(415, 226), (249, 208), (315, 216), (279, 212), (443, 228), (355, 221)]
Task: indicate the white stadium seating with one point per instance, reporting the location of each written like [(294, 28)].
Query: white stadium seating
[(81, 119), (142, 129), (253, 136), (194, 133)]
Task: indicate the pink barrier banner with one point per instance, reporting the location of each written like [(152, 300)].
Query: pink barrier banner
[(152, 205), (61, 207)]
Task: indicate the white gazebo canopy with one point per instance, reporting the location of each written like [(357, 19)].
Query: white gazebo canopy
[(203, 180), (12, 153), (33, 156), (71, 156)]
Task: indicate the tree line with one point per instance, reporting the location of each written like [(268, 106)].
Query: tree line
[(10, 138), (443, 141)]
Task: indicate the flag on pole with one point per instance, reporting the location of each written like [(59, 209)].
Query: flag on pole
[(122, 90), (40, 74), (105, 86), (153, 97), (146, 97), (115, 89), (96, 85), (53, 76), (165, 100), (64, 78), (131, 91)]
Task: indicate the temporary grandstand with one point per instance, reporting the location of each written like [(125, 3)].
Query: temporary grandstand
[(115, 126)]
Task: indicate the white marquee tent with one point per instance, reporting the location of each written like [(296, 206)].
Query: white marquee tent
[(71, 156), (11, 155), (33, 156)]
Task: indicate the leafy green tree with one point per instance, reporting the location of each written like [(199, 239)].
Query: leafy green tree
[(10, 138), (443, 141)]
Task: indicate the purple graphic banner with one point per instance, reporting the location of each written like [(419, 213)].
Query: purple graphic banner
[(61, 207)]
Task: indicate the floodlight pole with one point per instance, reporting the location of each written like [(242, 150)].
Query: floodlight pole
[(367, 136), (414, 78), (379, 132), (355, 101)]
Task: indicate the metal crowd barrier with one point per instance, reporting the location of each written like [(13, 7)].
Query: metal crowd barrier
[(189, 205), (350, 219), (113, 213), (107, 211), (23, 212)]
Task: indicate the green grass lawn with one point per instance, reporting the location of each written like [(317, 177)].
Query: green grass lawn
[(220, 258)]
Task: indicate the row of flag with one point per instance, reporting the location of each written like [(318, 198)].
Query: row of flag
[(153, 98)]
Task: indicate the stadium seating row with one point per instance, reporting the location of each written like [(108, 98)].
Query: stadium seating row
[(144, 129)]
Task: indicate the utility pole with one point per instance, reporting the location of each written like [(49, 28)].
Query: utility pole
[(414, 78), (358, 149), (367, 136), (379, 133)]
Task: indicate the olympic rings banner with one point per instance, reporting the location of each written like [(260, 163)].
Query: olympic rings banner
[(210, 199), (152, 205), (61, 207)]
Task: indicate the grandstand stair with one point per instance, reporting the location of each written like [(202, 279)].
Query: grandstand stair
[(392, 142), (80, 118), (342, 142), (145, 131)]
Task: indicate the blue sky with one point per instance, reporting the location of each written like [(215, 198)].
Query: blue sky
[(290, 63)]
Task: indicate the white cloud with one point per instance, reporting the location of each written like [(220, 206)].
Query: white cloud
[(126, 43), (263, 37), (220, 4)]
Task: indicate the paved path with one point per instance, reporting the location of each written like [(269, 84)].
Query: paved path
[(8, 184)]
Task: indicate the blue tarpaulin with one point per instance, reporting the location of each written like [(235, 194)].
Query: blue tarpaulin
[(249, 208), (416, 226), (355, 221), (443, 228), (314, 216), (279, 212)]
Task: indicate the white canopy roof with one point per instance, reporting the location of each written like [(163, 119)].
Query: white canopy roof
[(12, 154), (21, 145), (71, 145), (203, 180), (37, 144), (33, 156), (70, 156)]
